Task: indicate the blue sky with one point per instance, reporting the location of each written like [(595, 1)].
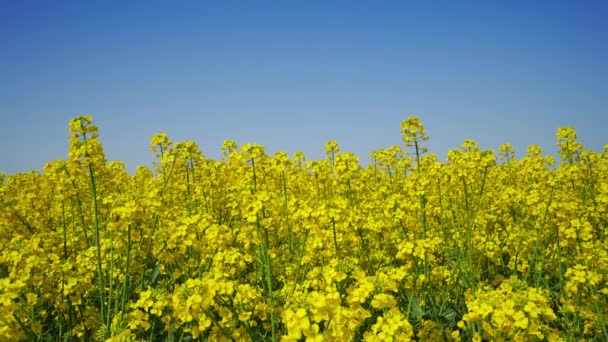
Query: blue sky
[(293, 74)]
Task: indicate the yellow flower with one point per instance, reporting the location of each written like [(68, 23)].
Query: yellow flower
[(383, 300), (296, 322), (521, 321)]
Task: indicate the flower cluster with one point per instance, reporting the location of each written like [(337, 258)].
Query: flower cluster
[(512, 310)]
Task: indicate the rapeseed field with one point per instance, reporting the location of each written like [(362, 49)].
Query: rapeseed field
[(484, 246)]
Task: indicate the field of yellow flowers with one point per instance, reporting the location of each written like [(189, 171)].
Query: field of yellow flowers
[(279, 248)]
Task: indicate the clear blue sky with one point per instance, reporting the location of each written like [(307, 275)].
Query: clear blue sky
[(293, 74)]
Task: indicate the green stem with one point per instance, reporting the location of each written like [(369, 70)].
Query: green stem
[(333, 224), (100, 277), (286, 202), (126, 284), (265, 257), (65, 229), (111, 276)]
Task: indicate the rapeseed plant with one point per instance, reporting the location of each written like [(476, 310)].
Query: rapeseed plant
[(259, 247)]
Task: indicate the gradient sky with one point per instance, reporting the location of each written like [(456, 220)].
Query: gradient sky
[(293, 74)]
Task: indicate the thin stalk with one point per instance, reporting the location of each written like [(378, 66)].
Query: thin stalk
[(188, 180), (80, 211), (469, 228), (65, 229), (100, 277), (417, 155), (24, 222), (423, 196), (111, 276), (126, 284), (268, 277), (285, 203), (300, 260), (265, 257), (333, 225)]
